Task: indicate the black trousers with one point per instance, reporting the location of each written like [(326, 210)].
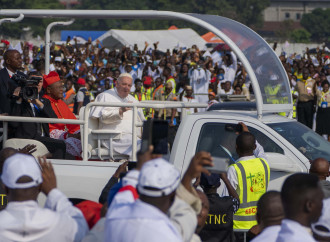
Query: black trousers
[(55, 146), (305, 113)]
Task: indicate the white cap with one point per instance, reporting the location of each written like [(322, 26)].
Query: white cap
[(158, 178), (19, 165), (324, 221)]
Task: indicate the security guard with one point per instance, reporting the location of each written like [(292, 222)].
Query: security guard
[(139, 95), (250, 177), (219, 223)]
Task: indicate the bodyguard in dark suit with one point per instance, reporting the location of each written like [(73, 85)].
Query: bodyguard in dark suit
[(13, 62), (39, 107)]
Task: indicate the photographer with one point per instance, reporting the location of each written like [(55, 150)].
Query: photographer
[(38, 107)]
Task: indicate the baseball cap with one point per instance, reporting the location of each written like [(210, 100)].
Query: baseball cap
[(322, 226), (158, 178), (210, 181), (19, 165)]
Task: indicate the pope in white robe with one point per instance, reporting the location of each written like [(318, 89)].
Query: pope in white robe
[(118, 119)]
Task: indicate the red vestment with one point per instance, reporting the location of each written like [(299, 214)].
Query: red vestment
[(62, 111)]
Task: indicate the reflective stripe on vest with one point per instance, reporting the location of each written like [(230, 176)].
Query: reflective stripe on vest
[(253, 178)]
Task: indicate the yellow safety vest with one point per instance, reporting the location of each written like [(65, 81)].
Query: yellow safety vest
[(149, 92), (253, 178), (271, 95), (173, 81), (294, 113)]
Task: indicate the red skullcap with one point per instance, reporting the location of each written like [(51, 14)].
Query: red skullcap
[(51, 78)]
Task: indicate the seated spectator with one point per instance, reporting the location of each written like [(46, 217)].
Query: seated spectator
[(39, 107), (70, 133), (269, 216), (302, 202), (23, 219), (320, 168), (219, 224)]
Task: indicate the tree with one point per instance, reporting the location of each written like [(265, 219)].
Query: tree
[(300, 36), (318, 24), (249, 12), (37, 25)]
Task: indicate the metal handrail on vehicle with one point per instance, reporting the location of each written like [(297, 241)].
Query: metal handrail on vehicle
[(85, 121)]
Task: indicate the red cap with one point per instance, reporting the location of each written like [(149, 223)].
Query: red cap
[(51, 78), (326, 57), (81, 81), (91, 211), (6, 42), (147, 81)]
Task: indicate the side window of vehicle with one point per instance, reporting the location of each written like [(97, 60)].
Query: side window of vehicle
[(220, 140), (268, 144)]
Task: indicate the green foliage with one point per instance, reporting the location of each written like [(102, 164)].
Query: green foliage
[(300, 36), (245, 11), (318, 24), (249, 11), (37, 25), (285, 30)]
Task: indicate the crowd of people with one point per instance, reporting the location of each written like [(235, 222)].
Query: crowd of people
[(152, 202), (193, 75)]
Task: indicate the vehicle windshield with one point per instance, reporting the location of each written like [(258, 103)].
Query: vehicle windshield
[(309, 143)]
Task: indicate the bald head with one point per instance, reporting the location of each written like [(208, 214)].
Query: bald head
[(320, 167), (270, 209)]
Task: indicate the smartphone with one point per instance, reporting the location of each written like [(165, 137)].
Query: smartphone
[(155, 132), (131, 165), (220, 165)]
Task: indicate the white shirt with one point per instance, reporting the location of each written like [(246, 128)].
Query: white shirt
[(10, 73), (109, 118), (188, 100), (230, 71), (58, 221), (232, 174), (292, 231), (139, 222), (80, 95), (223, 92), (269, 234)]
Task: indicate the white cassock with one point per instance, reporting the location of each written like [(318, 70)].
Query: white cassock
[(109, 118), (200, 84)]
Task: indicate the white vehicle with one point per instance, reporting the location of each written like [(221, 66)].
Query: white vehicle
[(288, 144)]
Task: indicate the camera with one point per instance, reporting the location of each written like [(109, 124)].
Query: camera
[(29, 89)]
